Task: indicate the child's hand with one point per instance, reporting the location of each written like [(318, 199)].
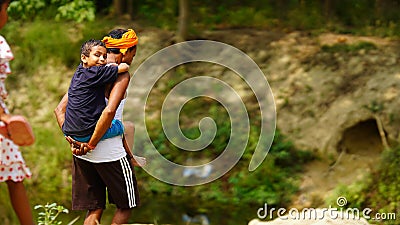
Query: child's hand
[(123, 67), (112, 64)]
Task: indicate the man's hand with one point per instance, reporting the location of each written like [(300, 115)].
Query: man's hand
[(77, 147)]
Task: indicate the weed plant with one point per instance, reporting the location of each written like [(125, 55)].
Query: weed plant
[(348, 48), (274, 182), (380, 190)]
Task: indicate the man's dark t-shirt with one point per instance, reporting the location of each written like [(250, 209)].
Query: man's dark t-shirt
[(86, 99)]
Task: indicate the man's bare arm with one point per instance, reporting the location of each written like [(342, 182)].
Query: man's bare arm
[(116, 95), (59, 111)]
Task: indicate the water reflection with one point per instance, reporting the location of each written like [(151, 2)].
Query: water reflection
[(188, 211), (201, 219), (202, 172), (178, 211)]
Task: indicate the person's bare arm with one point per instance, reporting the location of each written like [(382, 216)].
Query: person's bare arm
[(59, 111), (123, 67), (116, 95)]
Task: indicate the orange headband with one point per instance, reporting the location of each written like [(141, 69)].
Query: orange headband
[(129, 39)]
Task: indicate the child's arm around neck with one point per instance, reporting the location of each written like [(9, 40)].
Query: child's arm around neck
[(123, 67)]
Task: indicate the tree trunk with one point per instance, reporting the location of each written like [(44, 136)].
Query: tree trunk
[(183, 22), (327, 9), (118, 7), (130, 8)]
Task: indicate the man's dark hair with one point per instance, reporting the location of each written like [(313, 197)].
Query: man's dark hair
[(117, 34), (88, 45)]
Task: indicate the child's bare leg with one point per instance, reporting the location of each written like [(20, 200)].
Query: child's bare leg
[(129, 133), (139, 161), (20, 202), (129, 141)]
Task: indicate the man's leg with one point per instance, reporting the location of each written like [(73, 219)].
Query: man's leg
[(121, 216), (93, 217), (122, 188), (93, 199)]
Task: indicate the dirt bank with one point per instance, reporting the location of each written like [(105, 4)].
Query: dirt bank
[(337, 95)]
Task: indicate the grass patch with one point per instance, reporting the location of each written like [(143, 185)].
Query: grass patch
[(348, 48), (380, 190)]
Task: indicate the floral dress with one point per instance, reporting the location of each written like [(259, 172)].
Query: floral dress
[(12, 165)]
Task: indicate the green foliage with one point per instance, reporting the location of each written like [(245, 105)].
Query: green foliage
[(374, 106), (348, 48), (159, 13), (45, 41), (25, 9), (273, 182), (388, 186), (247, 17), (75, 10), (353, 16), (380, 191), (305, 18), (49, 214)]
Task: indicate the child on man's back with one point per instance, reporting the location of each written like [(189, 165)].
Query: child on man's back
[(86, 94)]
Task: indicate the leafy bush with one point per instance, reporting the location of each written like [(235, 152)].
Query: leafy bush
[(348, 47), (380, 191), (76, 10), (49, 214), (274, 182)]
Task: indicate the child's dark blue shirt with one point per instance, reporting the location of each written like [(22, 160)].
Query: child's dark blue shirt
[(86, 99)]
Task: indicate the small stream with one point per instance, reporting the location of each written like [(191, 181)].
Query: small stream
[(178, 212)]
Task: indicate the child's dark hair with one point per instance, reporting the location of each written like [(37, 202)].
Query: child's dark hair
[(117, 34), (88, 45)]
